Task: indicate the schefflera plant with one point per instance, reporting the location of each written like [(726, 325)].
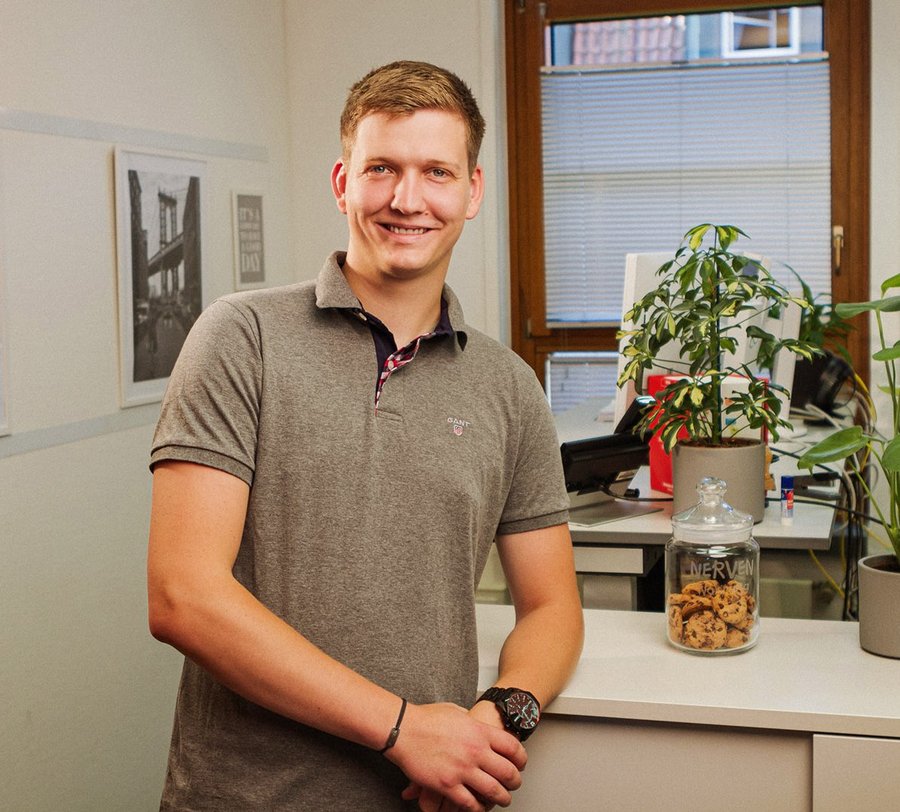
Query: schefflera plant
[(709, 300)]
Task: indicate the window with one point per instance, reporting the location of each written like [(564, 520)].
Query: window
[(571, 378), (633, 158), (607, 156), (772, 32)]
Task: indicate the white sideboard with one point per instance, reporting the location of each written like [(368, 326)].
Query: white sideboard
[(804, 721)]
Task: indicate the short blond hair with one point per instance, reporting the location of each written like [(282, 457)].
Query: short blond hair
[(401, 88)]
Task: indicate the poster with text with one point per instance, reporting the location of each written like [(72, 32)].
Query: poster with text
[(249, 253), (4, 422)]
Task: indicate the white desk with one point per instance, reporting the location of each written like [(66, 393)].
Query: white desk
[(800, 722), (810, 529), (633, 546)]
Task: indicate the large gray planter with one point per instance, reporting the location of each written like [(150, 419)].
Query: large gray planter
[(879, 605), (741, 467)]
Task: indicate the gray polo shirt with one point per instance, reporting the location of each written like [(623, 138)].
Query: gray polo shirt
[(367, 530)]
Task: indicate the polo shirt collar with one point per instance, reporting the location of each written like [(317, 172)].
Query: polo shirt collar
[(332, 291)]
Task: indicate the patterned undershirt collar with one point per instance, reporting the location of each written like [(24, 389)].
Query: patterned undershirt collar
[(390, 357)]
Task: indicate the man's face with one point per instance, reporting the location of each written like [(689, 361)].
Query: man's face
[(407, 192)]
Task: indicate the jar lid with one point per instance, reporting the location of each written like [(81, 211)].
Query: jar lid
[(712, 519)]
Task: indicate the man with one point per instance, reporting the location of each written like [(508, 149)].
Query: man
[(332, 463)]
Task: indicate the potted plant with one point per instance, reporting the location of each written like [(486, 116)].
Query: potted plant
[(709, 302), (872, 460)]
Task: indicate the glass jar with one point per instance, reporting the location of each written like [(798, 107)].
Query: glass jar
[(712, 576)]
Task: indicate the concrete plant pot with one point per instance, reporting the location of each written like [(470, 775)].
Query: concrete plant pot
[(879, 605), (741, 466)]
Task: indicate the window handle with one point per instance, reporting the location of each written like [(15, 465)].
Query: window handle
[(837, 247)]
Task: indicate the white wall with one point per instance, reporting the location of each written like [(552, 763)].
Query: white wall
[(885, 196), (87, 695), (332, 45)]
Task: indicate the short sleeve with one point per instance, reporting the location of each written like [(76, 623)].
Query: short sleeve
[(210, 411), (537, 496)]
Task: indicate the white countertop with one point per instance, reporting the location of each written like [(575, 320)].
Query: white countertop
[(803, 675)]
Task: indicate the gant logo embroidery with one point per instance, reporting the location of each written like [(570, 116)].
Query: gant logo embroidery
[(459, 426)]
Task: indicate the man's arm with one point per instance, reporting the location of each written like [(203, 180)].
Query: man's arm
[(197, 606), (542, 650)]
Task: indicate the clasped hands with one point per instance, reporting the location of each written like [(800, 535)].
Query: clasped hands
[(458, 759)]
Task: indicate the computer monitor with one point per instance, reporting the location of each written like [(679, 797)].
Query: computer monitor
[(640, 279), (785, 325)]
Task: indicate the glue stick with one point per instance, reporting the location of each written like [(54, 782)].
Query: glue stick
[(787, 500)]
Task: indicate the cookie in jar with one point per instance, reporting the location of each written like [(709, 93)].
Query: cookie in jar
[(712, 576)]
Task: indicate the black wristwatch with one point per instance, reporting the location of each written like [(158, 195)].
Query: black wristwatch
[(519, 710)]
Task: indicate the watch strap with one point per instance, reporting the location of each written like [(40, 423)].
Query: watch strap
[(496, 694)]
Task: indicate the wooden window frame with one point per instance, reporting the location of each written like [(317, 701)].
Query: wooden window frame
[(847, 39)]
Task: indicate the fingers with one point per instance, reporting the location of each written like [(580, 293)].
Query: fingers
[(455, 762), (412, 792), (509, 747), (460, 798), (495, 770), (487, 787), (494, 784), (431, 801)]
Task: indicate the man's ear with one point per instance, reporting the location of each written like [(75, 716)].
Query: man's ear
[(339, 183), (476, 192)]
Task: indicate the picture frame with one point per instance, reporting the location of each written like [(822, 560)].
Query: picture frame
[(249, 241), (4, 373), (160, 204)]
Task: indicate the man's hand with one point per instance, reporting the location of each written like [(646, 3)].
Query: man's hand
[(540, 652), (455, 761)]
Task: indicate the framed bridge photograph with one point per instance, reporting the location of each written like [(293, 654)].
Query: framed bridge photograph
[(159, 205), (4, 422)]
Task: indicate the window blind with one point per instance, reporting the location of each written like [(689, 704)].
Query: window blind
[(634, 158), (571, 378)]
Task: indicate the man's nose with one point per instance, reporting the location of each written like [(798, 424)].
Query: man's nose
[(408, 194)]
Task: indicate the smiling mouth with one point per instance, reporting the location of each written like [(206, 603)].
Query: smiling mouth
[(406, 231)]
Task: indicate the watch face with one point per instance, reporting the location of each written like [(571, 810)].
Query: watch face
[(523, 710)]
